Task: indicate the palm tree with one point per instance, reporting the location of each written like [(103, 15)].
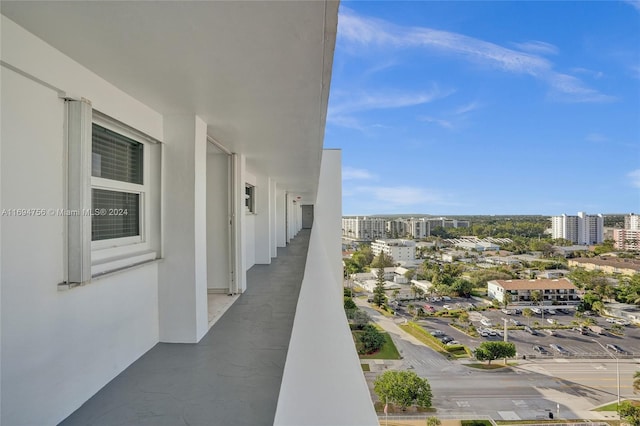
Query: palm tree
[(526, 312), (636, 382)]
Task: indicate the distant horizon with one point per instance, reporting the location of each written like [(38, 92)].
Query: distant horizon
[(470, 215), (503, 108)]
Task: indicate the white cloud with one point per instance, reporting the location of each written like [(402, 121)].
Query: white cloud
[(467, 108), (634, 3), (444, 123), (351, 173), (364, 101), (359, 30), (569, 88), (540, 47), (634, 176)]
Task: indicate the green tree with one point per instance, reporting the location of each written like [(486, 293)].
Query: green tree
[(630, 412), (359, 318), (370, 339), (383, 260), (636, 382), (395, 293), (433, 421), (349, 304), (379, 295), (403, 388), (488, 351), (527, 313), (536, 296), (462, 287)]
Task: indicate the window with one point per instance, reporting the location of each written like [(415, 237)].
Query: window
[(117, 188), (113, 194), (125, 196), (249, 198)]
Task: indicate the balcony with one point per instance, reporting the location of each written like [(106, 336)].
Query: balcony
[(282, 351)]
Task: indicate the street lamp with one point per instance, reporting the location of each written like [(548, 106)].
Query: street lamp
[(617, 367)]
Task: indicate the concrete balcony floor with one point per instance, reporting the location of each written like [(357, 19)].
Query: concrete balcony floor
[(231, 377)]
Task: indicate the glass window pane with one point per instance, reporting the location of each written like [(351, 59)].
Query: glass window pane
[(115, 156), (115, 214)]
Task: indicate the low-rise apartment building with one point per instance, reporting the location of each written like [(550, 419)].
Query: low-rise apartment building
[(519, 291), (610, 266), (400, 250)]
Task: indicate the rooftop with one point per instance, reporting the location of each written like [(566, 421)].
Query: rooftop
[(542, 284)]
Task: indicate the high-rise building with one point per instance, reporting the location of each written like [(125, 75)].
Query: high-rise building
[(632, 222), (580, 229), (363, 227)]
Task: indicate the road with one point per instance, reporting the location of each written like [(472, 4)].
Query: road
[(567, 388)]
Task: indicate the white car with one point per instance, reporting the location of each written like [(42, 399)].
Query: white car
[(612, 320), (447, 307), (551, 321), (622, 322), (486, 322)]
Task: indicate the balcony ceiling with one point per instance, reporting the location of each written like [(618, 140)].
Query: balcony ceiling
[(257, 72)]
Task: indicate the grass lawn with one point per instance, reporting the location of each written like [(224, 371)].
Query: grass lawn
[(419, 333), (489, 366), (382, 311), (614, 406), (388, 350)]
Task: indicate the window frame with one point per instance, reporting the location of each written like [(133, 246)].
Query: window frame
[(251, 198), (114, 247)]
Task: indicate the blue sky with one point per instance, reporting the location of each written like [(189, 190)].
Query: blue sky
[(454, 108)]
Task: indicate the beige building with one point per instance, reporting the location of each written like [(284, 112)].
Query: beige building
[(519, 291), (610, 266)]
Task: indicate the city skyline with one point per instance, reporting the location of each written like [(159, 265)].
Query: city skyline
[(481, 108)]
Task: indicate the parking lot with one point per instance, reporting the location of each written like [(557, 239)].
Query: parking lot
[(567, 342)]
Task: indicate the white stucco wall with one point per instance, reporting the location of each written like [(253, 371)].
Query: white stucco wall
[(262, 220), (58, 347), (281, 232), (249, 231), (335, 391), (218, 222), (273, 217), (183, 273)]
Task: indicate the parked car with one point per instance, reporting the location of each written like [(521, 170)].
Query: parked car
[(611, 320), (550, 311), (623, 322), (446, 339), (540, 349), (615, 348), (453, 342), (507, 311), (486, 322), (536, 310), (530, 330), (483, 333), (559, 349), (551, 321), (446, 298), (514, 322), (447, 307), (437, 333), (492, 333), (517, 311), (581, 330), (551, 332)]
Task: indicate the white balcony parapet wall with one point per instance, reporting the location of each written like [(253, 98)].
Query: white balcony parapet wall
[(323, 383)]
